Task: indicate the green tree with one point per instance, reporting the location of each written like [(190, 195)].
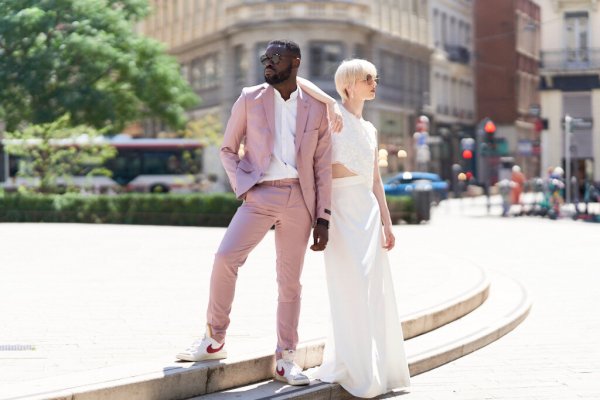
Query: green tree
[(51, 154), (207, 129), (82, 57)]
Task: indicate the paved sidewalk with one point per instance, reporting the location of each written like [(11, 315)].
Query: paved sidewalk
[(555, 352), (97, 296)]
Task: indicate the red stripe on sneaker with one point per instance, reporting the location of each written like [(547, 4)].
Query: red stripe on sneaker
[(280, 373), (210, 349)]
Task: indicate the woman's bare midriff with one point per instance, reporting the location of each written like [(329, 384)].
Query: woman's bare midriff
[(339, 171)]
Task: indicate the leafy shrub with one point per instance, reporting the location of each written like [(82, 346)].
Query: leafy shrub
[(143, 209)]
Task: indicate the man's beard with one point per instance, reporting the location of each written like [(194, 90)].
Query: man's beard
[(279, 77)]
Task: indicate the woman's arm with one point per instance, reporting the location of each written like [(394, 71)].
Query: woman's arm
[(386, 219), (335, 114)]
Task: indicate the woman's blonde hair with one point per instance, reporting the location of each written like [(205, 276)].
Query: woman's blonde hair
[(351, 71)]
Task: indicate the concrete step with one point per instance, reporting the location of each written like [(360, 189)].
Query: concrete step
[(165, 379), (507, 306)]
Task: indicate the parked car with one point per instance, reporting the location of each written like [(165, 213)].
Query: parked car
[(404, 184)]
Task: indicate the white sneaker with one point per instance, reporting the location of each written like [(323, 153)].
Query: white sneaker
[(204, 349), (286, 370)]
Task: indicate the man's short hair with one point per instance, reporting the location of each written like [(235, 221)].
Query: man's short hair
[(289, 45)]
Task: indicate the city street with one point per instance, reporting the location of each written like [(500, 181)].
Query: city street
[(91, 296), (118, 115), (555, 352)]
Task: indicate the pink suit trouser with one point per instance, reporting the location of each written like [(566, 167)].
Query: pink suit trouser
[(280, 204)]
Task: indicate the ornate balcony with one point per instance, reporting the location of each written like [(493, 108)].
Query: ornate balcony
[(256, 11), (567, 61), (458, 54)]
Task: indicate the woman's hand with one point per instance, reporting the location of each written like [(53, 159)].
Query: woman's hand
[(336, 121), (388, 237)]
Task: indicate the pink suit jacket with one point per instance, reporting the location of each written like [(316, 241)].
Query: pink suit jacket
[(253, 121)]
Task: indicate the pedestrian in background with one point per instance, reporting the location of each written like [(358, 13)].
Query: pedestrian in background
[(518, 179)]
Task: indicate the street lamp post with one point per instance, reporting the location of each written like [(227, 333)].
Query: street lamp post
[(568, 126)]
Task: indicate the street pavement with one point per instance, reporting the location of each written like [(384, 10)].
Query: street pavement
[(555, 352), (91, 296), (82, 298)]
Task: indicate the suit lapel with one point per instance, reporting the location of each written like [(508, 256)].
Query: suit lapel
[(301, 117), (268, 99)]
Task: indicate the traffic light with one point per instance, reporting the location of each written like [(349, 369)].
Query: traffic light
[(467, 147), (489, 127)]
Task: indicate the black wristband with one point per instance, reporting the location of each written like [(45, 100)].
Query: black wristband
[(324, 222)]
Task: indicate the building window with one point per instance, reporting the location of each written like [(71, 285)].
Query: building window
[(392, 70), (240, 62), (204, 72), (468, 35), (424, 84), (260, 49), (446, 89), (415, 7), (175, 11), (184, 69), (360, 51), (407, 78), (325, 57), (444, 30), (436, 29), (576, 25)]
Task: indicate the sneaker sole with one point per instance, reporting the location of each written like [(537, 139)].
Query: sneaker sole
[(216, 356), (284, 380)]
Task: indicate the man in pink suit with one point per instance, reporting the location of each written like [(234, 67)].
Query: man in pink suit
[(284, 178)]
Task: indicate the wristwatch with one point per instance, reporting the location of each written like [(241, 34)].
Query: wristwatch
[(324, 222)]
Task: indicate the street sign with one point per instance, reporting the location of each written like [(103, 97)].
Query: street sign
[(535, 110), (580, 123), (525, 147)]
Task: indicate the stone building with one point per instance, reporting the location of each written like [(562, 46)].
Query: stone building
[(218, 43), (570, 71), (507, 45), (452, 79)]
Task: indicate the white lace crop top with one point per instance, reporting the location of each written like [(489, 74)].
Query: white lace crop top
[(355, 145)]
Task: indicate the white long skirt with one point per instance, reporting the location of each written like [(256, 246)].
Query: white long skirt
[(365, 349)]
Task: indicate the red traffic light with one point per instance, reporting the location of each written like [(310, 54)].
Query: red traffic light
[(489, 127), (467, 154)]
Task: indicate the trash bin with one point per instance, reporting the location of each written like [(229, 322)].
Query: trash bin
[(423, 196)]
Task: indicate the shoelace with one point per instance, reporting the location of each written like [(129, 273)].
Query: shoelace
[(194, 346)]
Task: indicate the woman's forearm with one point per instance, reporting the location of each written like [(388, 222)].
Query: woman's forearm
[(379, 193), (315, 91)]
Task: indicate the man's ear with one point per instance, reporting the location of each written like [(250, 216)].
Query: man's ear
[(296, 62)]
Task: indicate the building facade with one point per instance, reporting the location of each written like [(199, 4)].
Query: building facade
[(570, 85), (218, 43), (507, 45), (452, 79)]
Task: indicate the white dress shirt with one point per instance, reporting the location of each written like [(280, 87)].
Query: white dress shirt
[(283, 159)]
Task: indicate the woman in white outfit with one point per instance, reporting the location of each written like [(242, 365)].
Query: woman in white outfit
[(366, 351)]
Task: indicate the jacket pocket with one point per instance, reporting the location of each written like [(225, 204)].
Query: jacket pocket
[(245, 166)]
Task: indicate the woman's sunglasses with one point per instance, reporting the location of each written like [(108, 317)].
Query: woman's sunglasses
[(370, 79)]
